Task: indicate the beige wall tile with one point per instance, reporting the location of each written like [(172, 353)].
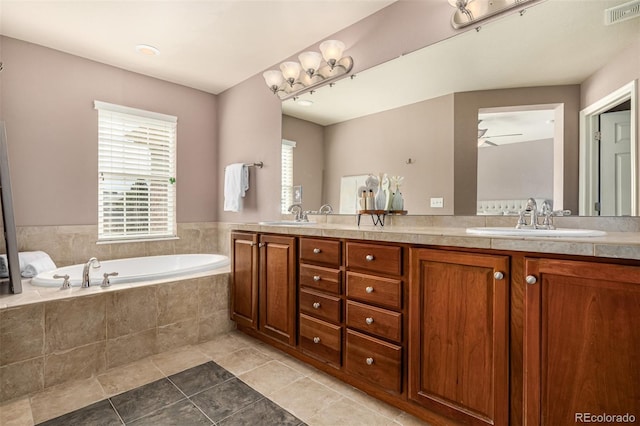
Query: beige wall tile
[(130, 376), (131, 311), (16, 413), (21, 378), (74, 322), (132, 347), (214, 325), (62, 399), (78, 363), (177, 301), (177, 334), (21, 333), (213, 294)]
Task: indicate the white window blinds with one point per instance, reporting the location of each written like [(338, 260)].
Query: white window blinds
[(136, 173), (286, 198)]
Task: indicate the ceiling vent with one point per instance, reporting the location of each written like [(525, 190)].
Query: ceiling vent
[(621, 13)]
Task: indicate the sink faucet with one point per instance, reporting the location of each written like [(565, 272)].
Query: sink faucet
[(93, 262), (546, 212), (531, 209), (300, 216), (326, 209)]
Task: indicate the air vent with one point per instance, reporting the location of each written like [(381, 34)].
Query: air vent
[(621, 13)]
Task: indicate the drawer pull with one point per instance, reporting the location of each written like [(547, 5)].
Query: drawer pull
[(317, 250), (531, 279), (369, 361), (369, 289), (316, 278), (369, 257), (369, 321), (316, 340), (498, 275), (316, 305)]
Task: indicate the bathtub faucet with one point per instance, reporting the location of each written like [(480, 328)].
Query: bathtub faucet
[(93, 262)]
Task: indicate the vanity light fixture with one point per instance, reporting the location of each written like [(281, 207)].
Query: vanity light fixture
[(470, 12), (295, 78)]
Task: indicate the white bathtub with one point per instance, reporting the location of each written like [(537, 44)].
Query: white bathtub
[(137, 269)]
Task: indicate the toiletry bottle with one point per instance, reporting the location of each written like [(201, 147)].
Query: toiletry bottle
[(362, 200), (371, 201)]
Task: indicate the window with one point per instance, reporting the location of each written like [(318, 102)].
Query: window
[(136, 173), (286, 198)]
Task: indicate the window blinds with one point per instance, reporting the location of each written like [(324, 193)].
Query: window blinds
[(286, 198), (136, 173)]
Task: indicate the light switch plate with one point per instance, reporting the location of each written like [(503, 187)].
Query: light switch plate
[(437, 202)]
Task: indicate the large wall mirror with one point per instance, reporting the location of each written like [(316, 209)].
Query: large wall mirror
[(483, 117)]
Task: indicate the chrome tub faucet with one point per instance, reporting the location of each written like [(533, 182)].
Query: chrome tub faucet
[(93, 262)]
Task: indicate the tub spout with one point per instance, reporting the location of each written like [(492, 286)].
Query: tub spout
[(93, 262)]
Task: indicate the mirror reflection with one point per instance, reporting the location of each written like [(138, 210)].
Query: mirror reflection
[(424, 125)]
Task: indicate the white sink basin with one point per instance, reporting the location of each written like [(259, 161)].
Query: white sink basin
[(286, 223), (527, 232)]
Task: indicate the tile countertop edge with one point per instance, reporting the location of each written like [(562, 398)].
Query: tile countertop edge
[(618, 245)]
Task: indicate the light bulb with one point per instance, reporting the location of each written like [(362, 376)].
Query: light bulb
[(274, 79), (332, 51), (290, 71), (310, 62)]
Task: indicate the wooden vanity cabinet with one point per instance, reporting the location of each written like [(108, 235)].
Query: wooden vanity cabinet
[(320, 300), (263, 295), (581, 341), (244, 284), (459, 334)]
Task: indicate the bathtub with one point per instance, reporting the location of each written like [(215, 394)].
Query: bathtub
[(137, 269)]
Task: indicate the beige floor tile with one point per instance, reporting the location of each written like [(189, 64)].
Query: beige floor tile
[(346, 412), (180, 359), (332, 383), (243, 360), (222, 346), (406, 419), (123, 379), (16, 413), (271, 351), (305, 398), (64, 398), (299, 366), (375, 404), (270, 377)]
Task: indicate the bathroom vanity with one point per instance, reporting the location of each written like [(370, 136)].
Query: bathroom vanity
[(450, 327)]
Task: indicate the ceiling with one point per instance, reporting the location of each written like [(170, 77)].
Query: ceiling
[(209, 45), (555, 42)]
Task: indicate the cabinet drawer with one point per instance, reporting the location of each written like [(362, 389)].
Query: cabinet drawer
[(375, 258), (323, 252), (324, 279), (320, 305), (321, 339), (385, 292), (374, 360), (378, 321)]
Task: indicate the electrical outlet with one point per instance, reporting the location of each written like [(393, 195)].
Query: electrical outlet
[(437, 202)]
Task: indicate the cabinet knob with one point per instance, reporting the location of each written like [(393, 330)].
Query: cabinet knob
[(369, 289), (253, 244), (317, 250), (531, 279), (369, 361), (262, 244), (369, 321), (316, 278), (316, 305), (369, 257), (316, 340), (498, 275)]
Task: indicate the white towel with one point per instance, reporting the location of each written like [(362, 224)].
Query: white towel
[(42, 264), (25, 258), (236, 184)]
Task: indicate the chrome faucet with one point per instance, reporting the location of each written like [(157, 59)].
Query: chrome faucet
[(300, 216), (546, 212), (93, 262), (325, 209)]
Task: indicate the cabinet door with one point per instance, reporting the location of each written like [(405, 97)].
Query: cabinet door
[(582, 341), (458, 334), (244, 293), (278, 287)]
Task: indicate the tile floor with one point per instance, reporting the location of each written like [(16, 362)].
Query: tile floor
[(248, 382)]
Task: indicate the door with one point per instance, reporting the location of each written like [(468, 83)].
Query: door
[(244, 284), (581, 342), (615, 163), (458, 335), (278, 287)]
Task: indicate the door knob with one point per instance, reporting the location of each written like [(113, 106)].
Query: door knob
[(531, 279), (498, 275)]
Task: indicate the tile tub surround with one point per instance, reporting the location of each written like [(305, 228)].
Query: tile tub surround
[(306, 393), (49, 336)]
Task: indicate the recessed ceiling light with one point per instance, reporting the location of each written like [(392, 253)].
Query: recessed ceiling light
[(305, 102), (147, 50)]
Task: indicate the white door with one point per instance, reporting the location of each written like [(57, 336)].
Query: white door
[(615, 163)]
